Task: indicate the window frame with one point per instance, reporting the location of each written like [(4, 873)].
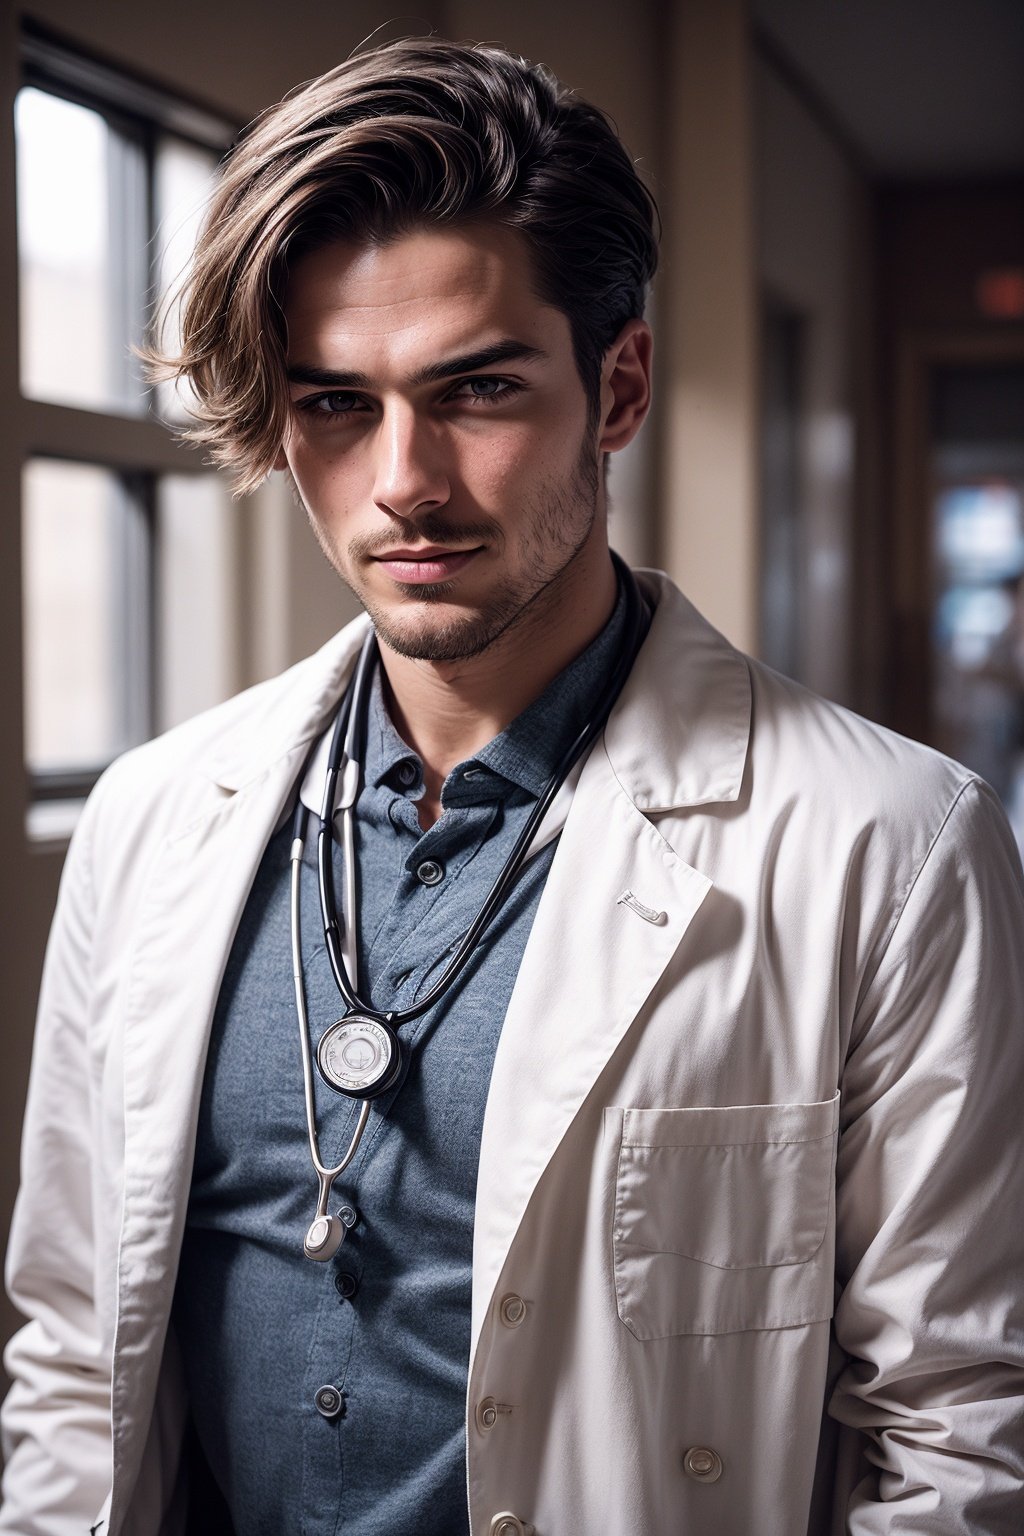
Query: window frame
[(136, 447)]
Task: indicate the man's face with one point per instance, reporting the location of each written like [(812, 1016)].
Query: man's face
[(439, 436)]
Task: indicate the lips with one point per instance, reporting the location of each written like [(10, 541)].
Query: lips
[(420, 567)]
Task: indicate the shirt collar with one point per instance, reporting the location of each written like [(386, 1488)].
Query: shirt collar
[(678, 735), (529, 749), (385, 748), (525, 754)]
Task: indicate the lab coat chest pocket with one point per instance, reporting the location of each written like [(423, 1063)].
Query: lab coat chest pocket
[(724, 1218)]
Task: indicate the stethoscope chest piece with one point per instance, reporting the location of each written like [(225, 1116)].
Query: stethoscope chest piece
[(359, 1056)]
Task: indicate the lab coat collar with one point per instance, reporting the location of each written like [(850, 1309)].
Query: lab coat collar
[(299, 705), (680, 731), (677, 737)]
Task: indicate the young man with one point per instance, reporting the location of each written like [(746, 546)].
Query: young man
[(682, 1195)]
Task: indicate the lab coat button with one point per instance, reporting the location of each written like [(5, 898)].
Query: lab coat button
[(487, 1411), (329, 1401), (507, 1524), (512, 1310), (703, 1464)]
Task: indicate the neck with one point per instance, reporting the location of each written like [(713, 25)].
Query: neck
[(447, 711)]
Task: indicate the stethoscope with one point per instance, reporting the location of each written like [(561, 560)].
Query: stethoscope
[(361, 1054)]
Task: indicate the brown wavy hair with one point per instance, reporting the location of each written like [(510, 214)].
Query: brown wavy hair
[(413, 133)]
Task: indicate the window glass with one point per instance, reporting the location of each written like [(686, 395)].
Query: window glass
[(83, 651), (183, 179), (81, 246), (198, 635), (131, 604)]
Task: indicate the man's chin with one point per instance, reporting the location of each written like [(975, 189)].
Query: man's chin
[(453, 642), (438, 636)]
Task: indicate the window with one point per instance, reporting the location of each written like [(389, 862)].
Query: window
[(121, 525), (84, 559)]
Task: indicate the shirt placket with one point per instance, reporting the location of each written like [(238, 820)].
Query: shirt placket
[(430, 906)]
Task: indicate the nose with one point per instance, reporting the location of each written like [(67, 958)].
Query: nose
[(410, 474)]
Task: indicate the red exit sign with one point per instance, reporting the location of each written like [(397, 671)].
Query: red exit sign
[(1000, 293)]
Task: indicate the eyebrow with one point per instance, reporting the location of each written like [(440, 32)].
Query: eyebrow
[(506, 351)]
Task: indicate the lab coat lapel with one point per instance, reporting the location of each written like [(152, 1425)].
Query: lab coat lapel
[(591, 962), (198, 888), (677, 737)]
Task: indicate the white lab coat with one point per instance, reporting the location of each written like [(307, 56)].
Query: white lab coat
[(749, 1222)]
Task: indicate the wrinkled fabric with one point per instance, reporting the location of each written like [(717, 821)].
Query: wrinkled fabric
[(260, 1327), (758, 902)]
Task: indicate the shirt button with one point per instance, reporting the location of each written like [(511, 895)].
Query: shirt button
[(507, 1524), (702, 1463), (407, 773), (345, 1284), (512, 1310), (329, 1401), (430, 872)]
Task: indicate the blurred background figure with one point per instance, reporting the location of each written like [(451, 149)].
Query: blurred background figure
[(834, 471)]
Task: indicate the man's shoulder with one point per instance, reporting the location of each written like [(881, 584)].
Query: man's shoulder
[(766, 786), (827, 747), (791, 744), (228, 744)]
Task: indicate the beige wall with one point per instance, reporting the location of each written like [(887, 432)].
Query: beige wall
[(709, 359), (237, 58), (813, 253)]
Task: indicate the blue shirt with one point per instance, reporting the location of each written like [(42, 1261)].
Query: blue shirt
[(387, 1321)]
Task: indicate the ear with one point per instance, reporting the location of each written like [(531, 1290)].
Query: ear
[(281, 462), (625, 386)]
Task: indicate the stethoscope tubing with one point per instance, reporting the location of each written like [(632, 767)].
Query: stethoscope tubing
[(326, 1175), (327, 1232), (344, 974)]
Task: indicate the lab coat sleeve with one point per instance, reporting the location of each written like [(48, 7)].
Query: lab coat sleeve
[(56, 1418), (930, 1200)]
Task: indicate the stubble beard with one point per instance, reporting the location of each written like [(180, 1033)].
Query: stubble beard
[(556, 531)]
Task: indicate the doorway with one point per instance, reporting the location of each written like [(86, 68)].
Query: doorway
[(976, 550)]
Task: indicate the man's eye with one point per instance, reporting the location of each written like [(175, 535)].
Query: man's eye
[(338, 403), (484, 388)]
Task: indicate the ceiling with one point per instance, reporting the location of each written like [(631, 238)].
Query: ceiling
[(919, 89)]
